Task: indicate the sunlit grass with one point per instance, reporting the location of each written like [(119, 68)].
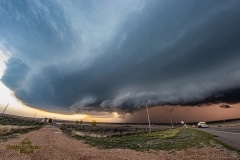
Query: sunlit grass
[(5, 129), (167, 139), (11, 127)]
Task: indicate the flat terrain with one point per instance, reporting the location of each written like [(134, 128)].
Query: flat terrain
[(56, 145)]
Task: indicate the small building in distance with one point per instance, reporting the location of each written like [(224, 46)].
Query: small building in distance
[(47, 120)]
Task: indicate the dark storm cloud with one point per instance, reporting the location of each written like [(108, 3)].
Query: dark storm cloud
[(225, 106), (121, 56)]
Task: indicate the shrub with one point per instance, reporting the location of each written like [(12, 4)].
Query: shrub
[(94, 123), (81, 121)]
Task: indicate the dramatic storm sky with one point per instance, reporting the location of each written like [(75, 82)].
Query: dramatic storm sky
[(114, 55)]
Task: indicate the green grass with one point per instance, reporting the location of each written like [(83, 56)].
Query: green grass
[(18, 122), (170, 139), (11, 127), (8, 132)]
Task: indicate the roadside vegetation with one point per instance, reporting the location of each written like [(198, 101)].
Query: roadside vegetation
[(141, 139), (103, 131), (10, 127), (18, 122)]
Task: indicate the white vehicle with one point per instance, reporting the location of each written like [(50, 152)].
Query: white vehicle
[(202, 125)]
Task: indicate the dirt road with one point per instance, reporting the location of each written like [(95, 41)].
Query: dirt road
[(51, 144)]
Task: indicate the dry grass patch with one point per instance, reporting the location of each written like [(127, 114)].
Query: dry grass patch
[(5, 129), (11, 131)]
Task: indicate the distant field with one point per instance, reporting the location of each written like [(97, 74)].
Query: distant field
[(107, 130), (18, 122)]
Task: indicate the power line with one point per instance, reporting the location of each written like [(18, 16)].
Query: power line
[(25, 50), (21, 57), (30, 67)]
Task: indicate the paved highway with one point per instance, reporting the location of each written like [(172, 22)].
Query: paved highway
[(229, 136)]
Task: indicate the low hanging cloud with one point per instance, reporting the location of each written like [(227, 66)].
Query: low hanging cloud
[(225, 106), (121, 56)]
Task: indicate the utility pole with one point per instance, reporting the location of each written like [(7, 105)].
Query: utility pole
[(4, 110), (149, 123), (171, 122)]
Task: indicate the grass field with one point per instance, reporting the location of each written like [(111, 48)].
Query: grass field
[(4, 129), (18, 122), (10, 127), (165, 139), (106, 130), (171, 139)]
